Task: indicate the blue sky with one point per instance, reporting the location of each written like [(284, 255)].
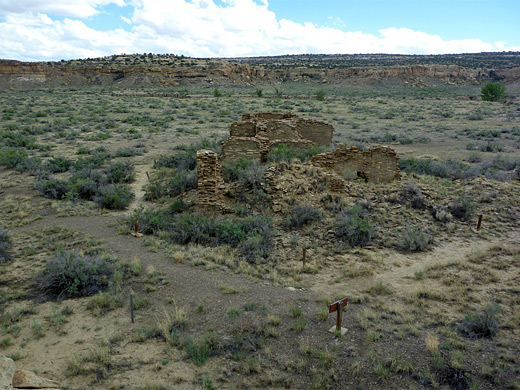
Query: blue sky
[(67, 29)]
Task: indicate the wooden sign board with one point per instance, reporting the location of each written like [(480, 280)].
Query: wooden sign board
[(337, 305)]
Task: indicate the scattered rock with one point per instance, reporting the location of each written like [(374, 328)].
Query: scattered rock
[(29, 380), (7, 368)]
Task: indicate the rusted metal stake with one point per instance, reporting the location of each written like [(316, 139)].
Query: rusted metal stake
[(132, 307), (151, 197), (479, 221), (136, 227)]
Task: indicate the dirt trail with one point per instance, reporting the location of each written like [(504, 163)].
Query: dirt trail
[(188, 285), (399, 268)]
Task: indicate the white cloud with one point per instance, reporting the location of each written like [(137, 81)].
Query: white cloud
[(73, 8), (199, 28)]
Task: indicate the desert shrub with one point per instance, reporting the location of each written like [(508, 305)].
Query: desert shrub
[(151, 221), (5, 245), (52, 188), (285, 153), (11, 158), (69, 274), (114, 196), (493, 92), (300, 216), (320, 95), (441, 214), (482, 323), (194, 227), (334, 204), (252, 176), (412, 192), (198, 351), (17, 140), (353, 227), (120, 172), (58, 164), (463, 207), (180, 182), (415, 240), (85, 184), (178, 205), (130, 151), (182, 160), (233, 172)]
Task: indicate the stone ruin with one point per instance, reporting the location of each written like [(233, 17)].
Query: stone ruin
[(256, 134), (380, 164)]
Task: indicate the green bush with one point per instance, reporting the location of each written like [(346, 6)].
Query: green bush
[(199, 351), (493, 92), (300, 216), (151, 220), (463, 207), (58, 164), (320, 95), (114, 196), (353, 227), (5, 245), (285, 153), (415, 240), (120, 172), (233, 172), (85, 184), (11, 158), (69, 274), (53, 189), (482, 323)]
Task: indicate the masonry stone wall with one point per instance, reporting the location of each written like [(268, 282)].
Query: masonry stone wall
[(209, 178), (270, 130), (377, 165)]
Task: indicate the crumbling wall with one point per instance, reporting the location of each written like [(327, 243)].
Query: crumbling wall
[(209, 178), (379, 164), (255, 134), (245, 147), (318, 132)]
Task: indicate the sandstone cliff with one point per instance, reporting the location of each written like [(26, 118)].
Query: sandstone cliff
[(135, 73)]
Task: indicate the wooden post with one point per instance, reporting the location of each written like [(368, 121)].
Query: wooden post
[(338, 318), (338, 306), (479, 222), (148, 176), (151, 197), (132, 307), (136, 227)]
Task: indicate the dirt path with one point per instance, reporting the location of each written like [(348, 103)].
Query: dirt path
[(189, 285)]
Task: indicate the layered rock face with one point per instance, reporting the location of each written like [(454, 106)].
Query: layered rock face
[(256, 134), (16, 74), (379, 164)]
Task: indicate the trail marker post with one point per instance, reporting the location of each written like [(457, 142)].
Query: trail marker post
[(338, 306), (136, 230), (132, 308), (479, 222)]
